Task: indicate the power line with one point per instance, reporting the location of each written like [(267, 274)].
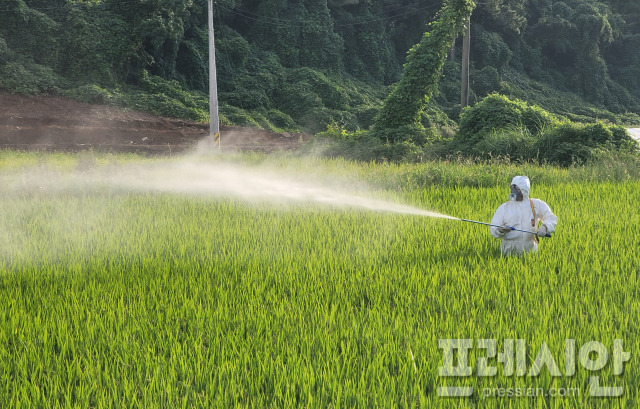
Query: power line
[(260, 18), (67, 5), (256, 16), (382, 17), (356, 21)]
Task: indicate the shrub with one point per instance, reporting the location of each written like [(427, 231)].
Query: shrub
[(246, 99), (164, 105), (412, 134), (514, 143), (172, 90), (296, 99), (497, 112), (366, 146), (361, 146), (91, 94), (237, 116), (570, 144), (29, 78), (164, 98), (281, 120), (315, 120), (331, 95)]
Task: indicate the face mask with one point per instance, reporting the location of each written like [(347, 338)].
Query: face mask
[(515, 195)]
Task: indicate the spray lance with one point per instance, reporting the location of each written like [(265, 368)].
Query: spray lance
[(508, 227)]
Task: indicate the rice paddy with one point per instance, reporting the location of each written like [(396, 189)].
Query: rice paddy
[(128, 296)]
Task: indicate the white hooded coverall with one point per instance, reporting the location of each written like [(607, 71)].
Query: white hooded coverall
[(519, 215)]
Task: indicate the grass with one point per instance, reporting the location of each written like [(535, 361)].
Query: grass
[(115, 298)]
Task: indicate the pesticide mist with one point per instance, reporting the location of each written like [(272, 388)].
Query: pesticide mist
[(214, 179)]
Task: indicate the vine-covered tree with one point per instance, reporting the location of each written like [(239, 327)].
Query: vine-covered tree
[(399, 119)]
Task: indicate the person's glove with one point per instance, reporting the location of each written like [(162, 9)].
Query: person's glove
[(504, 230), (542, 231)]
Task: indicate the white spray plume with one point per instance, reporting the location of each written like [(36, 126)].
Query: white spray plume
[(224, 180), (254, 184)]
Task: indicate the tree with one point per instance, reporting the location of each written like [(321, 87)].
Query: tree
[(399, 118), (299, 32), (369, 54), (156, 29), (571, 40), (29, 32)]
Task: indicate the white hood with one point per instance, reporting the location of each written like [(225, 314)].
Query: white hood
[(523, 183)]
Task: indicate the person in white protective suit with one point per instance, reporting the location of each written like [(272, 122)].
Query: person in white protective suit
[(522, 213)]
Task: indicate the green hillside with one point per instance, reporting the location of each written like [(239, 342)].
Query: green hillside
[(307, 64)]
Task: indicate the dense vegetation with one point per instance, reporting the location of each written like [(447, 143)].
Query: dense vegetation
[(308, 64), (498, 126), (400, 116), (148, 298)]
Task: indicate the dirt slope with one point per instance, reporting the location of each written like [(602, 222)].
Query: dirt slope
[(59, 124)]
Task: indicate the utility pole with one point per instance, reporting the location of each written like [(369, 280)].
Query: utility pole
[(214, 123), (466, 46)]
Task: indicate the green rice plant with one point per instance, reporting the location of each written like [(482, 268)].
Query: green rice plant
[(115, 297)]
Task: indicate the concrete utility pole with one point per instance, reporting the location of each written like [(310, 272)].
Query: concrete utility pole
[(214, 123), (466, 46)]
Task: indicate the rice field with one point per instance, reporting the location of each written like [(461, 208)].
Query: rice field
[(122, 297)]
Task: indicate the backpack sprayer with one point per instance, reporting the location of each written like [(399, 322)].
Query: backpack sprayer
[(508, 227)]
